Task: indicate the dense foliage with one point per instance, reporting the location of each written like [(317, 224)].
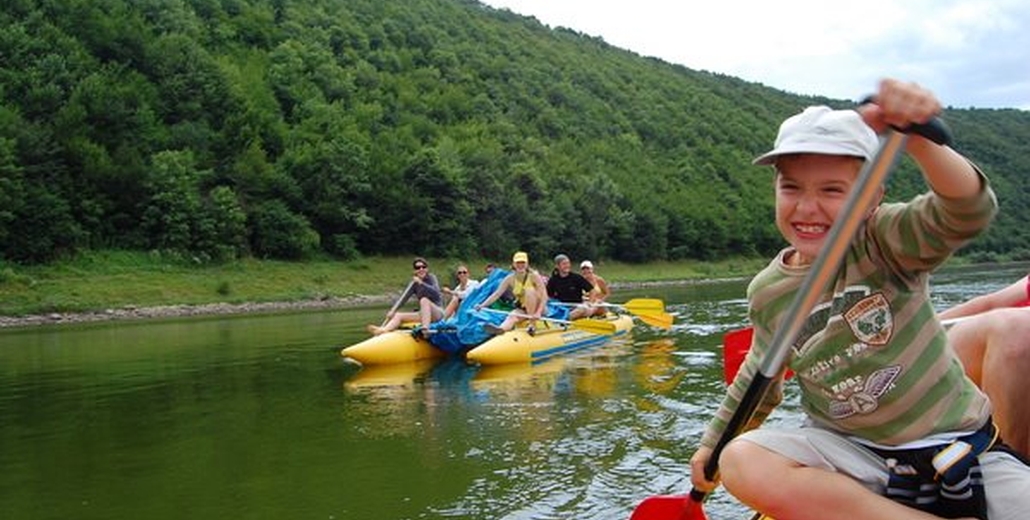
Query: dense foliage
[(215, 129)]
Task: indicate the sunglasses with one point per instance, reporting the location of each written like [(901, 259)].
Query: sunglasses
[(421, 266), (463, 272)]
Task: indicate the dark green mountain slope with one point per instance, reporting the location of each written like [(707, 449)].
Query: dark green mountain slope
[(278, 128)]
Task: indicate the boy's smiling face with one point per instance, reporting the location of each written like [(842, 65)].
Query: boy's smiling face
[(810, 191)]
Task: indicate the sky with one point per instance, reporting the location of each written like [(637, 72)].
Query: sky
[(970, 53)]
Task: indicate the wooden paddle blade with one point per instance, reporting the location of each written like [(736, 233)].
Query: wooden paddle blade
[(644, 306), (595, 326), (663, 320), (669, 507)]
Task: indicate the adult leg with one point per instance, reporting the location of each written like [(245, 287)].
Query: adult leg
[(452, 307), (579, 311), (394, 322), (510, 321), (428, 312), (534, 305), (994, 348), (784, 488)]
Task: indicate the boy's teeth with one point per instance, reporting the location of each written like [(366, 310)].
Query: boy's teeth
[(811, 229)]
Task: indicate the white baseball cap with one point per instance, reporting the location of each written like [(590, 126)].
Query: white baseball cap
[(586, 263), (822, 130)]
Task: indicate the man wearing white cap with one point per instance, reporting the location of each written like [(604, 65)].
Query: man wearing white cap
[(894, 427)]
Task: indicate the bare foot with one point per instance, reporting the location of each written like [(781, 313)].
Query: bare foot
[(373, 330)]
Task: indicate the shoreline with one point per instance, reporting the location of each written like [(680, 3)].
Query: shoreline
[(133, 312)]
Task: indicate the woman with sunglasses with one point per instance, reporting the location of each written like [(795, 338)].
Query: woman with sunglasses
[(460, 291), (426, 290)]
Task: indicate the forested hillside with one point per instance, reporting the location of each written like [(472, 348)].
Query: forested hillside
[(215, 129)]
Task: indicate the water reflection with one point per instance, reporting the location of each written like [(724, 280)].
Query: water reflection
[(388, 376), (657, 370)]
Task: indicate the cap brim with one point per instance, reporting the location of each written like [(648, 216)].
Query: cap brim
[(770, 157)]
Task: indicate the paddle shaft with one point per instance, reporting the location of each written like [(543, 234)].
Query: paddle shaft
[(637, 306), (404, 296), (598, 325), (637, 303)]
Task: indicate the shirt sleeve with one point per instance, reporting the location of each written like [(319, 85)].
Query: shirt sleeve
[(429, 288)]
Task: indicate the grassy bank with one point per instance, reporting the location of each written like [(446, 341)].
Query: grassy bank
[(117, 279)]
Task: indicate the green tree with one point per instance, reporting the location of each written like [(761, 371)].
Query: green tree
[(277, 232), (170, 217)]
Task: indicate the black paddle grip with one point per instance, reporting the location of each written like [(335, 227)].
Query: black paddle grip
[(935, 129)]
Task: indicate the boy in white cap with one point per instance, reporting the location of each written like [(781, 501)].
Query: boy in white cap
[(885, 397)]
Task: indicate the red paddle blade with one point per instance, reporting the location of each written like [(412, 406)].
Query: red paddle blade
[(735, 345), (669, 507)]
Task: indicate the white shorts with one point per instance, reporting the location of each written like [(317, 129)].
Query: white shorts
[(1006, 478)]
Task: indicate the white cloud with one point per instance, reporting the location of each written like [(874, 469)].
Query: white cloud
[(970, 54)]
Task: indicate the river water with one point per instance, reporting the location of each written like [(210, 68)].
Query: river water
[(258, 417)]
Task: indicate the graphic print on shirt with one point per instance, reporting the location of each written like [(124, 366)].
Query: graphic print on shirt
[(824, 314), (871, 324), (871, 320), (866, 398)]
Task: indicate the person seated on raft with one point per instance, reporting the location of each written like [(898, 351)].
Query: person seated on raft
[(991, 341), (529, 290), (460, 291), (426, 289), (600, 293), (569, 287)]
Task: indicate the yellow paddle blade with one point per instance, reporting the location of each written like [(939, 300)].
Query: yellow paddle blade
[(595, 326), (661, 320), (644, 306)]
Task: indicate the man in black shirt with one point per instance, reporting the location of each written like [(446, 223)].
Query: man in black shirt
[(569, 287)]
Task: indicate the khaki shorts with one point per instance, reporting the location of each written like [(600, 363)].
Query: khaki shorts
[(1006, 478)]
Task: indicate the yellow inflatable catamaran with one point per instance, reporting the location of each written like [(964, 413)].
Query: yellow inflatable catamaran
[(518, 346), (515, 346), (466, 333)]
